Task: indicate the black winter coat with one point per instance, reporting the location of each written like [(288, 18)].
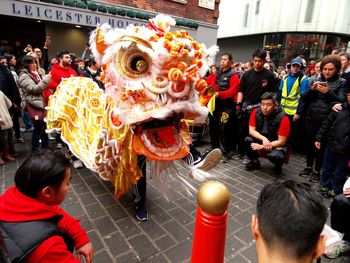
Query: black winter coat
[(10, 88), (335, 130), (319, 105)]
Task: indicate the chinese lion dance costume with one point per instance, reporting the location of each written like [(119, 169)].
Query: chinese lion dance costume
[(152, 80)]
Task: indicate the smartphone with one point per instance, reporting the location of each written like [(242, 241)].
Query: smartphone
[(322, 83)]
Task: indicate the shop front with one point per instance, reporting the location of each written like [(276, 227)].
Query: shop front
[(69, 23)]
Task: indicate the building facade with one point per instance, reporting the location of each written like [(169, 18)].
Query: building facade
[(312, 28), (69, 22)]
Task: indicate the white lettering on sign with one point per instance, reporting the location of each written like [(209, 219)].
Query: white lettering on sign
[(62, 14)]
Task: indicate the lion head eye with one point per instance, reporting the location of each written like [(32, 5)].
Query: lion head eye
[(138, 64), (133, 63)]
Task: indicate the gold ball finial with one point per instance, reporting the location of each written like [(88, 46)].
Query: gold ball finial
[(213, 197)]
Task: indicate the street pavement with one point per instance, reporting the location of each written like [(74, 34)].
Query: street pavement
[(118, 236)]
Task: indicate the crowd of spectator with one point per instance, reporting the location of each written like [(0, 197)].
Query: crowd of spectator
[(260, 109), (260, 112), (28, 82), (263, 112)]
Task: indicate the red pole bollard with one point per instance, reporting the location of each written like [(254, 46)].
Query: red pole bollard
[(211, 220)]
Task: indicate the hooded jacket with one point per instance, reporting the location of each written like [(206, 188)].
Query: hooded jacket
[(17, 207), (58, 73), (335, 130), (8, 85)]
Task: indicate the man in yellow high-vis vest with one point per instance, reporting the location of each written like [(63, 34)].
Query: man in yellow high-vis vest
[(291, 88)]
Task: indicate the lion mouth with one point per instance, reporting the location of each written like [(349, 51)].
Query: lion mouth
[(162, 140)]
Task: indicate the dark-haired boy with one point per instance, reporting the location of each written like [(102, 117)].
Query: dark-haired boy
[(288, 224)]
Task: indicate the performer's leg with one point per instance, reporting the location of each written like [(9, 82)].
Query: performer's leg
[(277, 157), (141, 212)]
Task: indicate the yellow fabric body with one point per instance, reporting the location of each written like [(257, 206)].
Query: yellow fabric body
[(81, 112)]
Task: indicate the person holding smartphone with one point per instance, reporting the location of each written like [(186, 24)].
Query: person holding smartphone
[(323, 93)]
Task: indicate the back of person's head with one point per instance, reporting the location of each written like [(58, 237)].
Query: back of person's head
[(334, 59), (26, 60), (260, 53), (291, 217), (41, 170)]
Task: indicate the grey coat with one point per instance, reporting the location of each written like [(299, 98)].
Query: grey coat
[(32, 89)]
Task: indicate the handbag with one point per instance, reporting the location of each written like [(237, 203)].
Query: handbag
[(35, 114)]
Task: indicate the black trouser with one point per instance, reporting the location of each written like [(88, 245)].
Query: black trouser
[(141, 183), (340, 215), (276, 156), (39, 134), (296, 137), (223, 134), (15, 119), (243, 131), (312, 153)]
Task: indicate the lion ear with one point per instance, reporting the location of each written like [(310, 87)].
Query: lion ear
[(101, 45)]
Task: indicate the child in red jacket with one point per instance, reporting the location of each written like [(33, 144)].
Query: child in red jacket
[(34, 227)]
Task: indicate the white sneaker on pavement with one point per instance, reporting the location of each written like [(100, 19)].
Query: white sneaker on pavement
[(78, 164)]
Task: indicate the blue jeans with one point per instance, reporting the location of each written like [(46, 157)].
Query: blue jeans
[(26, 120), (39, 133), (334, 170)]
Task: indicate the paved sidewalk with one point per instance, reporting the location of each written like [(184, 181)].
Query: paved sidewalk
[(167, 236)]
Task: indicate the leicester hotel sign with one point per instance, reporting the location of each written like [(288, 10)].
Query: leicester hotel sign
[(61, 14)]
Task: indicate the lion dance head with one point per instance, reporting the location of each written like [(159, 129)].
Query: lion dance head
[(152, 79)]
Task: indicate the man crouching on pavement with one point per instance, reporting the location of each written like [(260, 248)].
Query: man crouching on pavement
[(288, 224), (269, 130)]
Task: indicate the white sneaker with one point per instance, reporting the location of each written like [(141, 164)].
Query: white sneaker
[(246, 161), (51, 138), (198, 160), (210, 161), (78, 164)]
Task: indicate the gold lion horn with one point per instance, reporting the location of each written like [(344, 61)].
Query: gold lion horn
[(101, 46)]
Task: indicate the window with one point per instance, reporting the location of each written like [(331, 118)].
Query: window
[(309, 11), (257, 8), (246, 12)]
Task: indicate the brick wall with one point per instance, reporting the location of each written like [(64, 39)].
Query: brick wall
[(190, 10)]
